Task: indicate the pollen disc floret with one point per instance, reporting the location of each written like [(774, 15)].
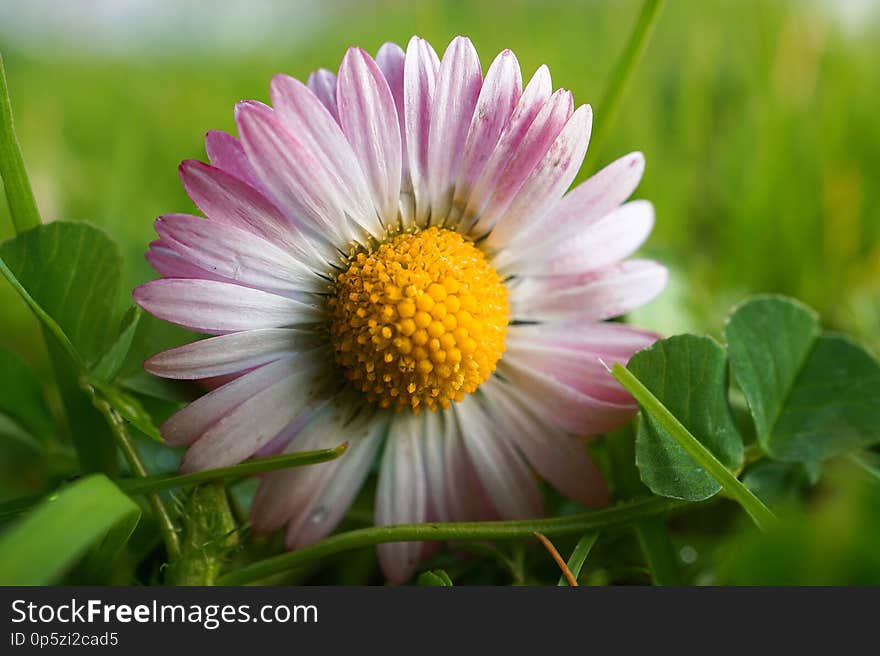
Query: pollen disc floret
[(420, 321)]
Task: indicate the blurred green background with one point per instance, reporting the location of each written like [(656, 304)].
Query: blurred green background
[(758, 119)]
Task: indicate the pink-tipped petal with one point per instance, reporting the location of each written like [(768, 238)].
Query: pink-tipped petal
[(227, 154), (587, 203), (401, 497), (558, 456), (549, 180), (369, 120), (292, 495), (236, 254), (228, 354), (573, 365), (502, 472), (571, 410), (533, 98), (612, 341), (391, 59), (520, 159), (317, 130), (170, 264), (458, 87), (612, 238), (323, 84), (287, 491), (217, 307), (185, 426), (228, 200), (419, 84), (300, 180), (592, 296), (241, 431), (499, 94)]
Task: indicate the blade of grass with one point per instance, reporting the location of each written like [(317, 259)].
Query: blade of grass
[(19, 195), (868, 462), (622, 73), (39, 548), (579, 556), (760, 514)]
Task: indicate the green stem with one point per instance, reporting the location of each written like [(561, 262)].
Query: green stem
[(505, 530), (123, 440), (19, 196), (157, 482), (209, 537), (760, 514), (623, 71), (579, 555)]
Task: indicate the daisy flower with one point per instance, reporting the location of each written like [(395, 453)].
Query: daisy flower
[(390, 258)]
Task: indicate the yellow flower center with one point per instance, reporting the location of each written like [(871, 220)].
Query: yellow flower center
[(420, 321)]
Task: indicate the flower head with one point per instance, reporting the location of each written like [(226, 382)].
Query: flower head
[(390, 258)]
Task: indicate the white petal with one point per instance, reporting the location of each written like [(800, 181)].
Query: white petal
[(614, 237), (614, 342), (286, 492), (390, 59), (228, 354), (458, 86), (556, 455), (300, 180), (419, 83), (468, 500), (571, 363), (227, 154), (502, 472), (595, 295), (434, 449), (401, 497), (216, 307), (228, 200), (170, 264), (587, 203), (369, 119), (329, 506)]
